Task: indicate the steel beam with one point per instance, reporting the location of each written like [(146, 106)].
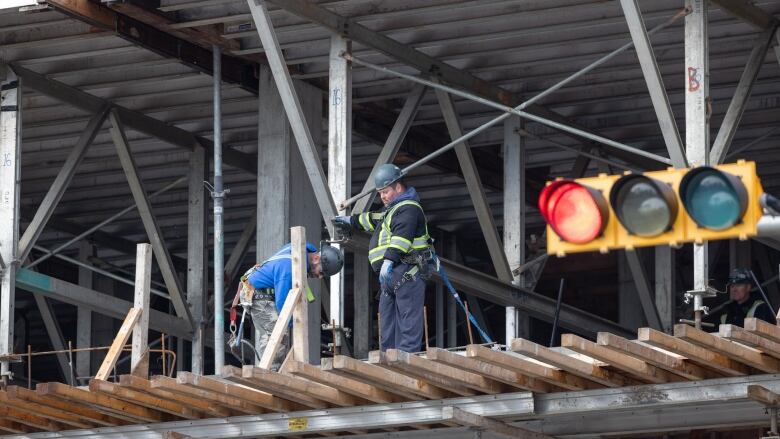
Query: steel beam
[(197, 254), (95, 301), (362, 326), (55, 336), (643, 289), (393, 143), (292, 107), (130, 118), (60, 184), (167, 270), (739, 102), (339, 158), (10, 166), (655, 83), (746, 11), (476, 191)]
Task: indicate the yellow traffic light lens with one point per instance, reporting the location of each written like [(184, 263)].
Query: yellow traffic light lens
[(577, 213), (645, 206), (714, 199)]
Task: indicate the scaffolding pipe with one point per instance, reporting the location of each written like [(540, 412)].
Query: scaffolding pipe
[(99, 225), (517, 110), (218, 195), (100, 271)]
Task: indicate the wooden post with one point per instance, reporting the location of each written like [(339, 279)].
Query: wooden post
[(300, 343), (139, 360)]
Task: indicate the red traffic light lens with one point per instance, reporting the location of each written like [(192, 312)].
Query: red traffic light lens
[(577, 213)]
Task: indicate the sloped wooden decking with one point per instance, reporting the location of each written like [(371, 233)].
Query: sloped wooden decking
[(395, 376)]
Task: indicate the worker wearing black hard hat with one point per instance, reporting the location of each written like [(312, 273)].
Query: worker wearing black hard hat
[(744, 303)]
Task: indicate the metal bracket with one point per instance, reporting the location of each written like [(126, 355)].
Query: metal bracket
[(213, 192)]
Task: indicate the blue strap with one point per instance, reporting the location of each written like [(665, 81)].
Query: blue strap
[(455, 295)]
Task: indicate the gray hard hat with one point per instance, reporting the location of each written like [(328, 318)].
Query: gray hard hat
[(740, 276), (386, 175), (331, 260)]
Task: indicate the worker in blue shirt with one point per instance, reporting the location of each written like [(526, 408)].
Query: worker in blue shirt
[(264, 288)]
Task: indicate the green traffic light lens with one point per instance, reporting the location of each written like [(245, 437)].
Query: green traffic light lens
[(644, 206), (714, 199)]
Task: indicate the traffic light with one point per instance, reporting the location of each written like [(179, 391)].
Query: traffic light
[(669, 207)]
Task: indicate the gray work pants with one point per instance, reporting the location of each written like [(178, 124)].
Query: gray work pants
[(264, 317), (401, 314)]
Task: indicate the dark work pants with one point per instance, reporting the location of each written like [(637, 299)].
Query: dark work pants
[(401, 314)]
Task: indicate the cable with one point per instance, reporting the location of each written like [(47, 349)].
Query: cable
[(455, 295)]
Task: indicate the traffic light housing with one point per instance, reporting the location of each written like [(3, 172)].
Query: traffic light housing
[(669, 207)]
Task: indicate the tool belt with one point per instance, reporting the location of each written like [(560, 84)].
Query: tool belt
[(264, 294), (420, 262)]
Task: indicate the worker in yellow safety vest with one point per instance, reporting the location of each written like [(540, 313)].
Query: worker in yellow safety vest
[(743, 304)]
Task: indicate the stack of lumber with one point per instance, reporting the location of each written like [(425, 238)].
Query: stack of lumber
[(396, 376)]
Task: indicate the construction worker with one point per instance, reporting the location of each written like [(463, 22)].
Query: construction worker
[(263, 290), (743, 303), (401, 254)]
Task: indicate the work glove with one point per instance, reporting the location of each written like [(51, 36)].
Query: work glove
[(386, 272), (343, 220)]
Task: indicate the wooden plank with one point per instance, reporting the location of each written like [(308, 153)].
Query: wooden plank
[(254, 396), (387, 379), (233, 402), (671, 363), (518, 364), (343, 383), (300, 387), (30, 420), (379, 358), (737, 334), (575, 366), (422, 365), (498, 428), (735, 351), (235, 375), (14, 427), (119, 343), (762, 328), (763, 395), (282, 324), (43, 411), (145, 386), (697, 354), (326, 365), (625, 363), (300, 329), (103, 403), (143, 399), (86, 413), (506, 376)]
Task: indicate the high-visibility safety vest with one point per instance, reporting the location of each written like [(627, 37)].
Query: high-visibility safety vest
[(386, 239), (751, 312)]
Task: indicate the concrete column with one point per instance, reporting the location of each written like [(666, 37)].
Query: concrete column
[(339, 155), (197, 254), (285, 197), (84, 316)]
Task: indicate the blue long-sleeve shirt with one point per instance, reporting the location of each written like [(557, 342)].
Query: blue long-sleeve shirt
[(276, 273)]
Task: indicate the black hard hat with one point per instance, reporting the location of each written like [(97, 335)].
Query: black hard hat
[(331, 259), (386, 175), (740, 276)]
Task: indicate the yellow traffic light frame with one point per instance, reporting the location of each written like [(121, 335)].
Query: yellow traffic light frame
[(747, 227)]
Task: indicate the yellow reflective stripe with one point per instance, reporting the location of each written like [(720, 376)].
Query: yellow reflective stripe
[(365, 222), (398, 247), (752, 311)]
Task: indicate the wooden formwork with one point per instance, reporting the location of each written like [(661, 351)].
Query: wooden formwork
[(396, 376)]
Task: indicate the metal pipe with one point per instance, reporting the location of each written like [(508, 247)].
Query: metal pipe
[(761, 290), (517, 110), (101, 271), (101, 224), (218, 194)]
